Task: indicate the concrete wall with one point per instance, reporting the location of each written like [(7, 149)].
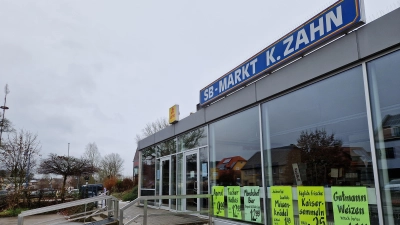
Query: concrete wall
[(377, 36)]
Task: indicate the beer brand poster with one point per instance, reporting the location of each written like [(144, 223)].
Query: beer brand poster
[(252, 208), (350, 205), (218, 200), (233, 197), (311, 204), (282, 205)]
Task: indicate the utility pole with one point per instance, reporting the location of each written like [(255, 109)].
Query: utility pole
[(68, 150), (4, 107)]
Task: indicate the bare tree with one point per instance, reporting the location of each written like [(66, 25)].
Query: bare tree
[(152, 128), (92, 154), (111, 165), (65, 166), (18, 157)]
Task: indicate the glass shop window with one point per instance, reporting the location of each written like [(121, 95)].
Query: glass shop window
[(235, 167), (384, 83), (318, 136)]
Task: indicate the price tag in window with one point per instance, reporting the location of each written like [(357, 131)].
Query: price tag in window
[(311, 203)]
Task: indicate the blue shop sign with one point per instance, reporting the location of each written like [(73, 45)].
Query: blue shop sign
[(339, 18)]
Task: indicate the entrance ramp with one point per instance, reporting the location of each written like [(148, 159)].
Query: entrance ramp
[(139, 212), (76, 212)]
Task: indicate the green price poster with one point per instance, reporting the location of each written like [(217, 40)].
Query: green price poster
[(233, 197), (350, 205), (282, 205), (218, 200), (311, 203), (252, 209)]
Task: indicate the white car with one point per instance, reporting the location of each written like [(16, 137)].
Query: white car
[(393, 185)]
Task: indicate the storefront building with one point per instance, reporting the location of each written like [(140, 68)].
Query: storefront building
[(314, 142)]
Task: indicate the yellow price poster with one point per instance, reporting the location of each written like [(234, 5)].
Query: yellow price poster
[(350, 205), (282, 205), (311, 203), (233, 197), (218, 200)]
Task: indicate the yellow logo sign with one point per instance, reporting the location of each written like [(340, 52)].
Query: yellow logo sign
[(174, 114)]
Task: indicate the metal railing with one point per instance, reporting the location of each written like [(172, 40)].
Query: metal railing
[(112, 207), (145, 200)]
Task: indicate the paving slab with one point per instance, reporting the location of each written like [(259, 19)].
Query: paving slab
[(55, 218), (154, 217)]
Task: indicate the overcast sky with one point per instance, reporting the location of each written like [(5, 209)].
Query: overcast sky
[(97, 71)]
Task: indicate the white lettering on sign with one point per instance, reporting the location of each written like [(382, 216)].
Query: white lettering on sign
[(337, 19), (288, 43), (302, 38), (235, 77), (319, 28)]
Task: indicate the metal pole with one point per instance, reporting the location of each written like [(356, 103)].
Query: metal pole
[(145, 212), (121, 217), (4, 107), (68, 150), (210, 210)]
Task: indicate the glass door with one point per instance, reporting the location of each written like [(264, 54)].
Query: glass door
[(165, 180), (191, 179)]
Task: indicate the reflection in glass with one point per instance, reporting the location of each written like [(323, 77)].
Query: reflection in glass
[(191, 181), (192, 139), (203, 154), (165, 180), (235, 152), (318, 136), (173, 181), (384, 83), (179, 181), (166, 148), (148, 168)]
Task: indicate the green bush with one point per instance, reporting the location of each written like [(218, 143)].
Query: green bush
[(11, 212), (132, 195)]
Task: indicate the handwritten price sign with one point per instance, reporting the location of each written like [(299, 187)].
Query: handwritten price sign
[(218, 200), (350, 205), (311, 203), (282, 205), (233, 197), (252, 208)]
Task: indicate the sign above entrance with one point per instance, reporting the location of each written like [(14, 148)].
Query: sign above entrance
[(339, 18)]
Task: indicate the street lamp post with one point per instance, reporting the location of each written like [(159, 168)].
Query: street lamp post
[(3, 107)]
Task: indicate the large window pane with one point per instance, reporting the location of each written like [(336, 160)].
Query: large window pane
[(148, 168), (235, 153), (192, 139), (384, 81), (166, 148), (321, 131)]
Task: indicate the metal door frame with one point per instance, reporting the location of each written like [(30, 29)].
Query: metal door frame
[(185, 154), (162, 159)]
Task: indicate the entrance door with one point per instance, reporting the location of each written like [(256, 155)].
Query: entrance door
[(191, 179), (165, 180)]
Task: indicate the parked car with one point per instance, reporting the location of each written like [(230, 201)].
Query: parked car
[(48, 192), (393, 185), (73, 191), (34, 193)]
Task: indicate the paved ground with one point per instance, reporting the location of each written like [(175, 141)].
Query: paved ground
[(154, 218), (55, 218)]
